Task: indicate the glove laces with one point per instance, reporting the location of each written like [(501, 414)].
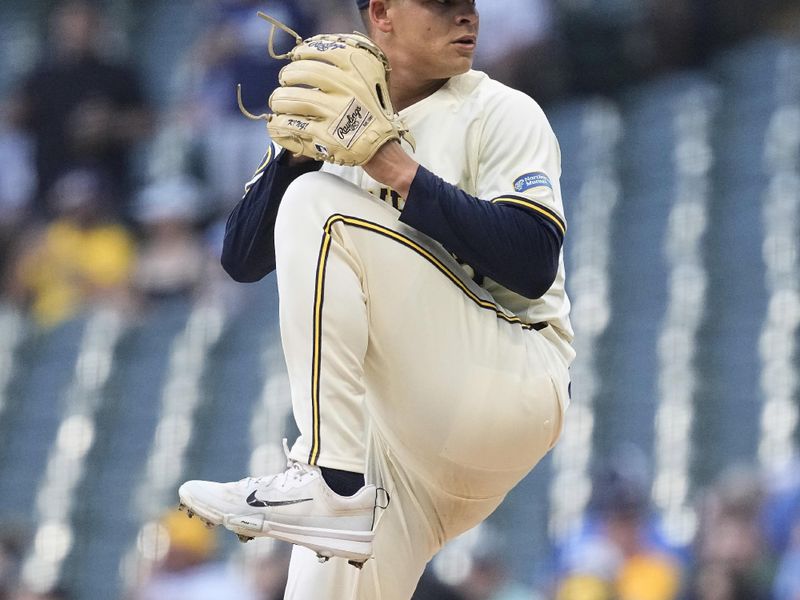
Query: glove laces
[(271, 47), (275, 23), (244, 111)]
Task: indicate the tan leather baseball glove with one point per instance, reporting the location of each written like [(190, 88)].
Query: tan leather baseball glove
[(333, 101)]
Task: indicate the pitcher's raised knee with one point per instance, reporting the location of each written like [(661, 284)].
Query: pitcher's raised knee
[(314, 197)]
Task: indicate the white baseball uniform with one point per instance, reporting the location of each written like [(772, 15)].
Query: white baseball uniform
[(445, 386), (448, 392)]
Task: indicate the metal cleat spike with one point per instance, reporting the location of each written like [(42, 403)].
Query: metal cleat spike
[(243, 538), (189, 513), (357, 564), (322, 558)]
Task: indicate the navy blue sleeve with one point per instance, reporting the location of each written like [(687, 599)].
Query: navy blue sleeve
[(516, 247), (248, 251)]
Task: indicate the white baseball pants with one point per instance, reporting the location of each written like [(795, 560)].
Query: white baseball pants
[(401, 365)]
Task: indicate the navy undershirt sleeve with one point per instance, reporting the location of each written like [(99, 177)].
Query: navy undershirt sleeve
[(248, 251), (514, 246)]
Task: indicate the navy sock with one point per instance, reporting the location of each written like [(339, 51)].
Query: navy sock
[(344, 483)]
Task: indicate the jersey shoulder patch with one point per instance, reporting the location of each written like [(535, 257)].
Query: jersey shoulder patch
[(532, 180)]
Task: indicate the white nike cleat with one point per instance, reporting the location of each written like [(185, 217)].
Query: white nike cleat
[(295, 506)]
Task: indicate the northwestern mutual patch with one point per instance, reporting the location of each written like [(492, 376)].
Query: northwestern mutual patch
[(532, 180)]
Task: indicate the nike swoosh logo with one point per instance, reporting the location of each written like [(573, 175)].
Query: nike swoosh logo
[(253, 501)]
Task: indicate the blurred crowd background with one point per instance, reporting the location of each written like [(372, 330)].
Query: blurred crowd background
[(129, 362)]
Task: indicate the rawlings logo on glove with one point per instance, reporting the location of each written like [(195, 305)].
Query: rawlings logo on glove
[(352, 124), (337, 109)]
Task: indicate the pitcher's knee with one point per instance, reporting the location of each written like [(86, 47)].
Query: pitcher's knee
[(310, 184), (303, 195), (318, 195), (325, 189), (304, 209)]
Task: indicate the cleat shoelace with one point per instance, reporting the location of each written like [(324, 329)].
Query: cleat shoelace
[(295, 472)]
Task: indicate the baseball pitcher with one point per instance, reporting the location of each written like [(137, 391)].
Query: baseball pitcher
[(412, 210)]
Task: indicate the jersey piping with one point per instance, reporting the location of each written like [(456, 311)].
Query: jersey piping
[(535, 206)]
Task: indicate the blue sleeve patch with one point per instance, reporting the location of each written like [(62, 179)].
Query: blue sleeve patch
[(532, 180)]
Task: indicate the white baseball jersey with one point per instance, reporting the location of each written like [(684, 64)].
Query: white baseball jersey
[(494, 143)]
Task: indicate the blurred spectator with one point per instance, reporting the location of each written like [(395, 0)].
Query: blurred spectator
[(269, 572), (335, 15), (732, 559), (781, 517), (17, 178), (189, 570), (781, 506), (687, 33), (430, 587), (82, 109), (269, 577), (532, 23), (585, 587), (784, 17), (56, 594), (489, 579), (722, 22), (787, 579), (11, 549), (608, 42), (234, 51), (619, 552), (82, 257), (172, 261), (17, 184), (523, 51)]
